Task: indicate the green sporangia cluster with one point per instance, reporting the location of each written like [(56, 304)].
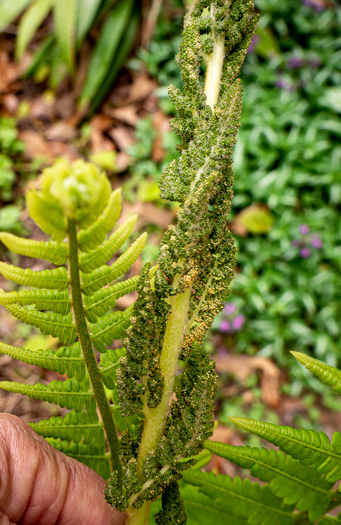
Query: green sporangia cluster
[(195, 267), (74, 302)]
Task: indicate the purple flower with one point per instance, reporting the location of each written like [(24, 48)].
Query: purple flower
[(316, 4), (304, 229), (316, 242), (295, 62), (230, 308), (254, 42), (305, 252), (225, 326), (315, 62), (238, 322)]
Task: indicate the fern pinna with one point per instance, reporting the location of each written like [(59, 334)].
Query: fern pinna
[(74, 303), (300, 476)]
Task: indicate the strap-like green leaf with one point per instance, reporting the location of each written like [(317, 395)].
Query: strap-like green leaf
[(66, 360), (54, 252), (9, 11), (98, 304), (98, 257), (290, 480), (58, 302), (65, 27), (110, 327), (93, 456), (30, 22), (69, 393), (49, 323), (86, 14), (74, 426), (51, 279), (90, 238), (105, 49), (242, 499), (307, 446), (327, 374)]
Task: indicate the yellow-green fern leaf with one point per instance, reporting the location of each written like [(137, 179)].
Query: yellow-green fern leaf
[(74, 426), (90, 238), (51, 251), (127, 259), (47, 214), (51, 279), (66, 360), (290, 480), (58, 302), (98, 257), (110, 361), (67, 394), (94, 281), (327, 374), (110, 327), (94, 456), (307, 446), (49, 323)]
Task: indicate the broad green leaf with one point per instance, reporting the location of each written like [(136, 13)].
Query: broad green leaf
[(29, 23)]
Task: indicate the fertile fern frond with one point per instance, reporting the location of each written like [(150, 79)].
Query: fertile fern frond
[(58, 302), (327, 374), (55, 252), (110, 327), (74, 426), (289, 480), (66, 360), (94, 259), (67, 394), (51, 279), (90, 238), (240, 499), (57, 325), (307, 446)]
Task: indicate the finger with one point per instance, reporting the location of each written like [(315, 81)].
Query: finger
[(40, 485)]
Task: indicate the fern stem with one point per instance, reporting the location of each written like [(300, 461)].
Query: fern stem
[(88, 352)]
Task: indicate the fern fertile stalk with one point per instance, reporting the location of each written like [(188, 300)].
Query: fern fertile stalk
[(88, 352)]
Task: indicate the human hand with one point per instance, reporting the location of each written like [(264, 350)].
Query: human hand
[(41, 486)]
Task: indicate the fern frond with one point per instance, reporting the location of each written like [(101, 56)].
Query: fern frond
[(242, 499), (329, 520), (327, 374), (94, 281), (47, 214), (98, 304), (66, 360), (51, 279), (90, 261), (67, 394), (289, 480), (97, 279), (58, 302), (49, 323), (55, 252), (74, 426), (90, 238), (307, 446), (110, 327), (110, 361), (94, 456), (201, 509)]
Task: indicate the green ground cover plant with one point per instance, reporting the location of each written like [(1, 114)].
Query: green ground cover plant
[(156, 417)]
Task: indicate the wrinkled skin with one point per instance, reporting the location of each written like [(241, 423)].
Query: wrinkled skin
[(39, 485)]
